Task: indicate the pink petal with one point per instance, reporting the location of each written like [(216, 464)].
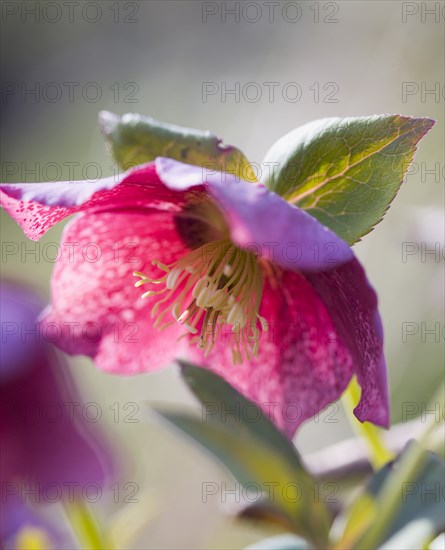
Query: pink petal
[(37, 207), (302, 365), (352, 305), (96, 310), (261, 221)]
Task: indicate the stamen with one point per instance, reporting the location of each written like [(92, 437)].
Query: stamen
[(217, 281), (176, 311), (236, 315), (172, 277), (183, 316)]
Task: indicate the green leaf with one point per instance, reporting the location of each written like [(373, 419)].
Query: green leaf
[(135, 139), (254, 451), (222, 403), (420, 513), (345, 172)]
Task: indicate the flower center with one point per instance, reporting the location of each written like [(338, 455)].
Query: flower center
[(214, 286)]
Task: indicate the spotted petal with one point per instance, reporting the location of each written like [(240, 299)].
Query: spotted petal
[(302, 364), (352, 305), (324, 328), (95, 309), (37, 207)]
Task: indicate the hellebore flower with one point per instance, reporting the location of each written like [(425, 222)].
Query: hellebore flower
[(267, 296), (49, 451)]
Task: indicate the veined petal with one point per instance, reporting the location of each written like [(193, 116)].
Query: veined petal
[(96, 309), (36, 207), (261, 221), (302, 365), (352, 306)]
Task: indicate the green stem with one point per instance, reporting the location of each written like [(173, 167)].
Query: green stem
[(390, 499), (85, 526), (379, 454)]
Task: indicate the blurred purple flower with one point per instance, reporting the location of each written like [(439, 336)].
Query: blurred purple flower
[(49, 451)]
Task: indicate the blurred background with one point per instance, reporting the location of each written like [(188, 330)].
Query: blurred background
[(177, 61)]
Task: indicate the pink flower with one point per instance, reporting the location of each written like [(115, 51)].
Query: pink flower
[(264, 294)]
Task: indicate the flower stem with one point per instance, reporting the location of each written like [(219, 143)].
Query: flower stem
[(379, 454), (86, 528), (391, 494)]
